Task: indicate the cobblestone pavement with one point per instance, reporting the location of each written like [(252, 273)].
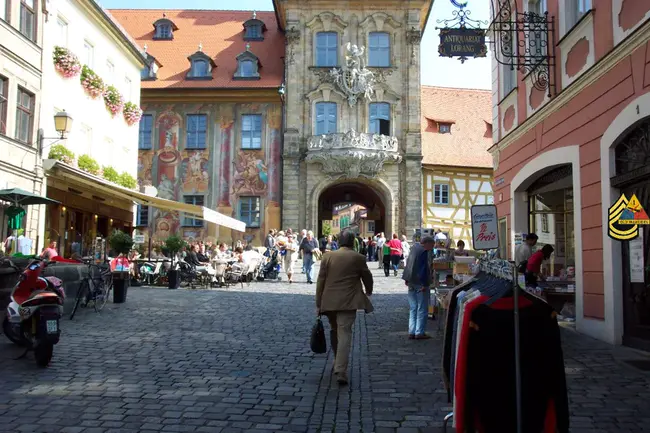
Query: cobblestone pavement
[(238, 360)]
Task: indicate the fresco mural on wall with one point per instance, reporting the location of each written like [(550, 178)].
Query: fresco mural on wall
[(275, 122), (194, 172), (226, 119), (168, 155), (145, 165), (251, 173), (166, 224)]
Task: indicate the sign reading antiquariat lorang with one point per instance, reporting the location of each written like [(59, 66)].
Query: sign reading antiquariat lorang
[(462, 42)]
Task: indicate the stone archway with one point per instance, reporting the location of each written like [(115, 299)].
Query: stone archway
[(371, 193)]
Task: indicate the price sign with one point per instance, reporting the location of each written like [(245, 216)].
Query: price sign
[(485, 227)]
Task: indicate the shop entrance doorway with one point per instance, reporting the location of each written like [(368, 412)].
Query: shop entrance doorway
[(352, 205), (633, 178)]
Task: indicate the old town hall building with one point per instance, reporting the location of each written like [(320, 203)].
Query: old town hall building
[(275, 117)]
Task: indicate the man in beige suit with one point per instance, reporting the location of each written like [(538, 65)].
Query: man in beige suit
[(339, 295)]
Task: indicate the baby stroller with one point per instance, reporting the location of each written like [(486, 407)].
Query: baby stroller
[(271, 270)]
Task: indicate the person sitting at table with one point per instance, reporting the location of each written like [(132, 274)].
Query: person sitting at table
[(201, 255), (222, 253), (202, 267)]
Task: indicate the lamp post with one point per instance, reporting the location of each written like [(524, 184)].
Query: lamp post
[(62, 124)]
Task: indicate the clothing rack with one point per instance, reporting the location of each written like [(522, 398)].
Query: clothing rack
[(508, 271)]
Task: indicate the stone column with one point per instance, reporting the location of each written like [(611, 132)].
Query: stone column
[(272, 211), (226, 113)]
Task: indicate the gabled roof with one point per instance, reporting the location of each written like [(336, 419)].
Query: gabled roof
[(221, 34), (470, 113)]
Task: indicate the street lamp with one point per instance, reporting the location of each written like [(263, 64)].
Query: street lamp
[(62, 123)]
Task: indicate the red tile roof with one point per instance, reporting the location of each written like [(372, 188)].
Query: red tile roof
[(221, 34), (470, 113)]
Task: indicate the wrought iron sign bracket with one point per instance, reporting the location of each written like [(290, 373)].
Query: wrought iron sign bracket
[(525, 41)]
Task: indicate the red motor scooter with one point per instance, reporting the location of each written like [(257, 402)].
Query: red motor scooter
[(34, 312)]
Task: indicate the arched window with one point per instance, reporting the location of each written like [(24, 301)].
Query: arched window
[(247, 66), (201, 66), (326, 118), (379, 118)]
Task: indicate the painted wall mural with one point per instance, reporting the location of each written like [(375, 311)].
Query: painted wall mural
[(221, 173)]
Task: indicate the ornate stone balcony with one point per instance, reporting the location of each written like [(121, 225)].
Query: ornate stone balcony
[(353, 154)]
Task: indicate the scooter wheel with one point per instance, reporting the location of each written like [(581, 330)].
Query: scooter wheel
[(6, 329), (43, 354)]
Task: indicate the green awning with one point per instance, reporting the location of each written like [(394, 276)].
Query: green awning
[(20, 197)]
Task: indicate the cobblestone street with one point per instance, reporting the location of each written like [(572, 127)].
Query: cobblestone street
[(239, 360)]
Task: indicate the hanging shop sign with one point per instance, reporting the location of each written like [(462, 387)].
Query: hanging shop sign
[(485, 227), (625, 217), (138, 239), (462, 42)]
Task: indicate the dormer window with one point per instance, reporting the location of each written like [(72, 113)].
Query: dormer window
[(247, 66), (164, 29), (150, 68), (254, 29), (444, 128), (200, 66)]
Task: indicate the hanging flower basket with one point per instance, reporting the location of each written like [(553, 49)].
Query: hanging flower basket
[(132, 113), (91, 82), (113, 100), (66, 62)]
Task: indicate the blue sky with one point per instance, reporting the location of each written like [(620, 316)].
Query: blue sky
[(436, 71)]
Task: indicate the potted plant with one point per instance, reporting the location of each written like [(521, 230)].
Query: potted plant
[(62, 153), (132, 113), (121, 243), (174, 244), (91, 82), (113, 100), (66, 62)]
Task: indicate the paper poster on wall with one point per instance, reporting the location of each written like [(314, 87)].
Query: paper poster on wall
[(637, 265)]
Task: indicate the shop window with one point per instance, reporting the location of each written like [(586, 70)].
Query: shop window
[(28, 19), (379, 49), (441, 193), (196, 131), (145, 134), (249, 211), (4, 91), (444, 128), (142, 216), (327, 46), (325, 118), (503, 238), (196, 200), (251, 131), (575, 10), (24, 116), (380, 118)]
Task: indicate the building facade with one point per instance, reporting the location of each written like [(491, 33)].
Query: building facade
[(211, 132), (353, 217), (456, 164), (562, 160), (81, 29), (352, 124), (21, 36)]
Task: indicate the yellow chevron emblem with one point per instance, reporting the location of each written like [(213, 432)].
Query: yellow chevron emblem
[(618, 229)]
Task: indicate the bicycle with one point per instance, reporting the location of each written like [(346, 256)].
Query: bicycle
[(102, 284)]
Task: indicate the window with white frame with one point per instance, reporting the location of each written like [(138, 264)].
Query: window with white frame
[(4, 7), (441, 193), (86, 138), (575, 9), (128, 85), (61, 29), (251, 131), (379, 118), (110, 68), (327, 47), (88, 54), (196, 200), (379, 49), (249, 211), (325, 118)]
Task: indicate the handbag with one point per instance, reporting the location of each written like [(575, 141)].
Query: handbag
[(317, 341), (318, 254)]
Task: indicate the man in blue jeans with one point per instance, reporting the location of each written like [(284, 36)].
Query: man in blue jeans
[(417, 276), (308, 246)]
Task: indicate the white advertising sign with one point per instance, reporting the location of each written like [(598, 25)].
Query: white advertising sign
[(637, 265), (485, 227), (138, 239)]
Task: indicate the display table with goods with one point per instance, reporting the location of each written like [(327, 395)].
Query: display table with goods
[(442, 271)]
